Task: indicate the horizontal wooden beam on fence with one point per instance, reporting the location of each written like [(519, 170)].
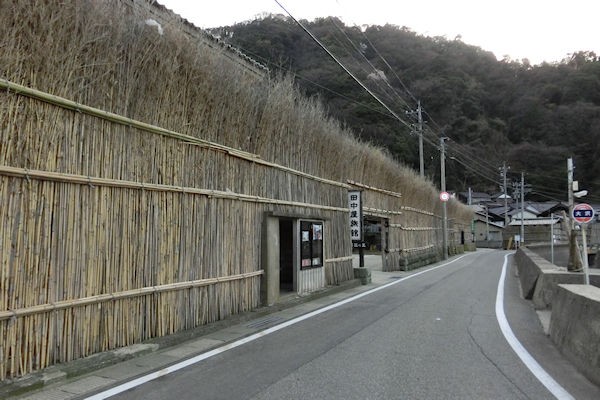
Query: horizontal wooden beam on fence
[(384, 191), (419, 211), (119, 119), (87, 180), (382, 212), (102, 298), (411, 250), (414, 228), (339, 259)]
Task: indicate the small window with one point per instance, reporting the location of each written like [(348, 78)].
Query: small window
[(311, 249)]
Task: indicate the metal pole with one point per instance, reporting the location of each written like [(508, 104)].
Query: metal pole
[(487, 224), (552, 238), (505, 195), (361, 256), (444, 211), (586, 274), (573, 262), (522, 209), (421, 163), (570, 190)]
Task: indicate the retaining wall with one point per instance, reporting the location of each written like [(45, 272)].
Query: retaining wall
[(575, 317), (575, 327), (539, 278)]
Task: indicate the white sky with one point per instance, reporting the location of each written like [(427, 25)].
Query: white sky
[(540, 30)]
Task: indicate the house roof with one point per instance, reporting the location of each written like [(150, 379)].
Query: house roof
[(480, 217), (476, 195), (534, 221), (517, 211), (498, 210), (549, 207)]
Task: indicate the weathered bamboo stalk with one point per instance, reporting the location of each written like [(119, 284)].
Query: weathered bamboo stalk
[(93, 181), (192, 140), (133, 293)]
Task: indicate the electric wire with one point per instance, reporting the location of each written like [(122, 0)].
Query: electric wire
[(389, 67), (476, 171), (343, 67), (428, 134), (375, 70), (372, 71), (303, 78)]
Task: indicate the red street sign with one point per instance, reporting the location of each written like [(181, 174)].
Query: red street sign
[(583, 213), (444, 196)]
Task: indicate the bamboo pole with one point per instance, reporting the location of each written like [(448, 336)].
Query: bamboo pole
[(86, 180), (126, 294), (192, 140)]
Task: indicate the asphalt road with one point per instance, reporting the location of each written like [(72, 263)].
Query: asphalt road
[(432, 336)]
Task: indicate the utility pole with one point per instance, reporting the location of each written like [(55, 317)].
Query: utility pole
[(420, 131), (575, 262), (522, 208), (444, 211), (505, 194), (487, 223), (570, 189), (552, 238)]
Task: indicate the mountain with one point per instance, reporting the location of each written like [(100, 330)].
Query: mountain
[(533, 117)]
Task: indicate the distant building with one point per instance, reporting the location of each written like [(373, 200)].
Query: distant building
[(486, 233)]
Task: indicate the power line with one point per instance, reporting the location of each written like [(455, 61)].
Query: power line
[(389, 67), (303, 78), (343, 67), (478, 165), (394, 92), (476, 171)]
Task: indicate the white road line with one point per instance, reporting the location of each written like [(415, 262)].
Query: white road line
[(554, 387), (201, 357)]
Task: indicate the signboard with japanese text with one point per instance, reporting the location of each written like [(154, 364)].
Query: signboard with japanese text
[(583, 213), (356, 220)]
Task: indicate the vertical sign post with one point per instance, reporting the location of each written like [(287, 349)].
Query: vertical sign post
[(356, 223), (582, 214)]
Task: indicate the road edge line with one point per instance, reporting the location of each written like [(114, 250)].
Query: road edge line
[(536, 369), (105, 394)]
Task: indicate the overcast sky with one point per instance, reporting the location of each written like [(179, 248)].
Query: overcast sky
[(540, 30)]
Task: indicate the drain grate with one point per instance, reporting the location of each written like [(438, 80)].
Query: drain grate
[(265, 321)]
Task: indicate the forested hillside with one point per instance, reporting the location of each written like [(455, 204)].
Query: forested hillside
[(531, 117)]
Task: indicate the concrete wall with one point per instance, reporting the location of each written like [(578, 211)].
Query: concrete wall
[(491, 244), (539, 278), (575, 327), (561, 253), (575, 317)]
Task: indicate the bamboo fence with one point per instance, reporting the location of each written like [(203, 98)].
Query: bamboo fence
[(135, 172)]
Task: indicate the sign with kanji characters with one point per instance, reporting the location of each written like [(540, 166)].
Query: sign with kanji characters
[(355, 206), (583, 213)]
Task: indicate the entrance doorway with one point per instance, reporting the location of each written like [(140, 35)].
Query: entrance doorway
[(373, 233), (286, 255)]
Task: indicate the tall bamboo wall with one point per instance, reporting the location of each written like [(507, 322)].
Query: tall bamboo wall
[(135, 172), (414, 234)]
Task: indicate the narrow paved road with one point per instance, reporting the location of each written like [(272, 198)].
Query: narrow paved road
[(432, 336)]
